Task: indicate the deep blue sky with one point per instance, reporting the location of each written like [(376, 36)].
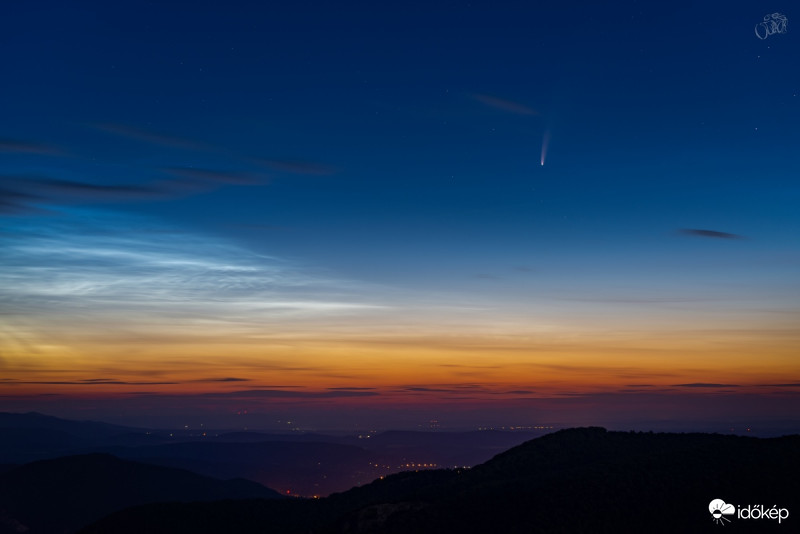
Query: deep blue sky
[(391, 152)]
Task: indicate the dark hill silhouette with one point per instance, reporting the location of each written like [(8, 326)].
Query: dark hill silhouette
[(250, 437), (7, 467), (26, 437), (297, 468), (301, 463), (87, 429), (321, 467), (64, 494), (578, 480), (26, 444)]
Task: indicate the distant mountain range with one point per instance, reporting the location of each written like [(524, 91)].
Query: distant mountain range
[(64, 494), (578, 480), (87, 429), (298, 463)]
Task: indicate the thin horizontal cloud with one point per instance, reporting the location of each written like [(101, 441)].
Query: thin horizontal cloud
[(637, 300), (90, 382), (504, 104), (148, 136), (296, 166), (277, 386), (464, 366), (85, 190), (445, 388), (705, 385), (291, 394), (290, 368), (789, 385), (257, 227), (17, 146), (351, 389), (215, 176), (31, 191), (25, 193), (226, 379), (714, 234), (632, 373), (17, 202)]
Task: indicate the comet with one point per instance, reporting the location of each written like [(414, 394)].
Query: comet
[(545, 143)]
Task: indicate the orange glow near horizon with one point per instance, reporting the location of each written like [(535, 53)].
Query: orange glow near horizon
[(160, 328), (540, 363)]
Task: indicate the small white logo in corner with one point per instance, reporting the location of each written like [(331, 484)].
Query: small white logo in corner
[(719, 509)]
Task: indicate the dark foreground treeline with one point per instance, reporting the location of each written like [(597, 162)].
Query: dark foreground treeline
[(62, 495), (578, 480)]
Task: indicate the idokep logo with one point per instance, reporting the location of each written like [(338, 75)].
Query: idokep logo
[(719, 509)]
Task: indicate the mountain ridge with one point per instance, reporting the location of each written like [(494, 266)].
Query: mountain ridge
[(574, 480), (64, 494)]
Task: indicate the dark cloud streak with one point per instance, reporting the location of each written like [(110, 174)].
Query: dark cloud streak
[(86, 190), (170, 141), (214, 176), (696, 232), (89, 382), (296, 166), (504, 104), (17, 202), (23, 193), (226, 379), (155, 138), (275, 393), (17, 146), (705, 385)]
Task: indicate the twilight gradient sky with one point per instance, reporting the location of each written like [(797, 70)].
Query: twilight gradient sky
[(361, 215)]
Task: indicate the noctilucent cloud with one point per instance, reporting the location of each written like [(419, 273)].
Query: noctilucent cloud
[(350, 216)]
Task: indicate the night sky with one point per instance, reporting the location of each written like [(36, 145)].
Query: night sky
[(378, 214)]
